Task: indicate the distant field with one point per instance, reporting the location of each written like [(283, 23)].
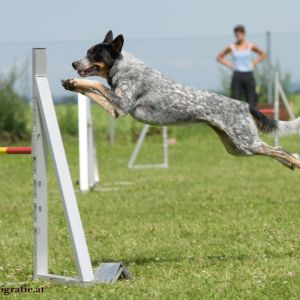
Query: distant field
[(212, 226)]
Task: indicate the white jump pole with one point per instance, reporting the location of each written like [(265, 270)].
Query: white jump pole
[(88, 167), (40, 190), (276, 105), (165, 147)]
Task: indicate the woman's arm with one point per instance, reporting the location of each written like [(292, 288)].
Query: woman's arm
[(221, 58), (261, 55)]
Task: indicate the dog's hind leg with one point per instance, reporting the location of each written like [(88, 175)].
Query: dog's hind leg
[(258, 148), (278, 153), (227, 141)]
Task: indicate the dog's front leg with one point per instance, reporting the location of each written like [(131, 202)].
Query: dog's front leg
[(82, 84), (120, 100), (99, 99), (87, 91)]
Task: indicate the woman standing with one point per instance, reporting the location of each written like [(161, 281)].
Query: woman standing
[(242, 65)]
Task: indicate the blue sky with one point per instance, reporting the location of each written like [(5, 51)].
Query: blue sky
[(36, 20), (180, 38)]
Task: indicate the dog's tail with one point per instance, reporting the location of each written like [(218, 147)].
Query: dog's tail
[(273, 127)]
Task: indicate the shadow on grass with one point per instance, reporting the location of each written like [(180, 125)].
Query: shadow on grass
[(140, 260), (226, 258), (210, 259)]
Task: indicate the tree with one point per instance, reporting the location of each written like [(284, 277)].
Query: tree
[(13, 110)]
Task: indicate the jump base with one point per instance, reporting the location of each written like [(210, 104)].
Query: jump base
[(111, 272), (105, 273)]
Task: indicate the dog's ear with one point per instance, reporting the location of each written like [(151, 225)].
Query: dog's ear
[(108, 38), (117, 43)]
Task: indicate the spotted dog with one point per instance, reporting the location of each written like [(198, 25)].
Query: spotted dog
[(149, 97)]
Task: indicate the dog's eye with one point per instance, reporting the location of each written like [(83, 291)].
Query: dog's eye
[(90, 52)]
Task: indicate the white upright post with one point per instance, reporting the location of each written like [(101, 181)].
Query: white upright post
[(269, 69), (96, 172), (165, 147), (39, 155), (88, 167), (111, 133), (276, 105), (93, 172), (83, 143)]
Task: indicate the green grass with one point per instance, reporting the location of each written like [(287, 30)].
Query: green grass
[(295, 103), (212, 226)]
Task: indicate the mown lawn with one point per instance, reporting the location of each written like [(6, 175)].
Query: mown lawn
[(212, 226)]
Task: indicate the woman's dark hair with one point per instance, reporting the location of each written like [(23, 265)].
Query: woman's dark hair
[(239, 28)]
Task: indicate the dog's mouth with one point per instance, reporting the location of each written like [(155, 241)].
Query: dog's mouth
[(89, 71)]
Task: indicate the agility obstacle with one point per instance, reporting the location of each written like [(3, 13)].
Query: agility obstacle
[(46, 138), (15, 150), (137, 148), (280, 94), (89, 174)]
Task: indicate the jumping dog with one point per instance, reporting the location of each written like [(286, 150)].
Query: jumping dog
[(149, 97)]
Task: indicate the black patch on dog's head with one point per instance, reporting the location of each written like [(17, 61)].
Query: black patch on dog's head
[(101, 57), (107, 51)]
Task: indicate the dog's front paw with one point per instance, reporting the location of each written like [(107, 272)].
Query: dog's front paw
[(69, 84)]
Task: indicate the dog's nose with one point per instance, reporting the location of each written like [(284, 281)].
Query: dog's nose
[(74, 64)]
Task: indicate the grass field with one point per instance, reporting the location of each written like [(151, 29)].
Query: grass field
[(212, 226)]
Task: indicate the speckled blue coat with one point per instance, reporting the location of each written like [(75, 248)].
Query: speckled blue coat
[(150, 97)]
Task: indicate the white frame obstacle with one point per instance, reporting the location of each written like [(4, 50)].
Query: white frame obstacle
[(46, 136), (138, 145), (89, 174), (280, 94)]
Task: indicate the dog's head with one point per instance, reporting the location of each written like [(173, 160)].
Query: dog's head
[(101, 57)]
